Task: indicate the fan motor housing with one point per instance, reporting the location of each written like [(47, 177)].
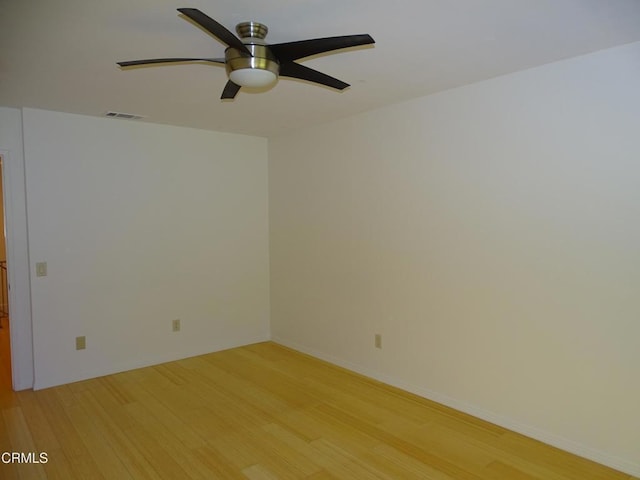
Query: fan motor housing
[(261, 59)]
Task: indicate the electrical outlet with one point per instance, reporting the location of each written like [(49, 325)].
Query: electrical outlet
[(378, 340), (81, 343), (175, 325)]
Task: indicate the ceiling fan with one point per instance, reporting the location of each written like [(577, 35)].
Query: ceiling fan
[(251, 62)]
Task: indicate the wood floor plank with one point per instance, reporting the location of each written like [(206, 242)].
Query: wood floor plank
[(66, 435), (405, 465), (37, 421), (21, 440), (118, 438), (258, 472), (98, 447), (9, 471), (151, 409), (499, 470), (217, 465), (260, 448), (237, 389), (263, 412), (58, 466), (322, 475), (344, 464), (157, 454)]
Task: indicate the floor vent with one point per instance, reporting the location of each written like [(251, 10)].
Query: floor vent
[(126, 116)]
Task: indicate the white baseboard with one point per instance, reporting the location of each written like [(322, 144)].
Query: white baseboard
[(562, 443)]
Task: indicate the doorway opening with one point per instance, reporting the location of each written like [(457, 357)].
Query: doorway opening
[(5, 337)]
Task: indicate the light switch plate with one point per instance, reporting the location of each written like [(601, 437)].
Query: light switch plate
[(41, 269)]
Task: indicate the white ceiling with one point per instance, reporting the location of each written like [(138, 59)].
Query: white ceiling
[(61, 54)]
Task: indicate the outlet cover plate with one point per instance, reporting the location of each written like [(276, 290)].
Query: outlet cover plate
[(41, 269)]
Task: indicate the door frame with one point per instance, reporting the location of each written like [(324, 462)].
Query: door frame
[(15, 213)]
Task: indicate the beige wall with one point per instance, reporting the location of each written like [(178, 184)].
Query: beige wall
[(491, 234), (141, 224)]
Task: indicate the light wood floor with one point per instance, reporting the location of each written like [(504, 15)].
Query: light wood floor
[(262, 412)]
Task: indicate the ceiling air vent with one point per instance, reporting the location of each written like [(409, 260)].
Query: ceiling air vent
[(126, 116)]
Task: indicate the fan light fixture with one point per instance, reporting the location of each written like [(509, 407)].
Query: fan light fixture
[(251, 62)]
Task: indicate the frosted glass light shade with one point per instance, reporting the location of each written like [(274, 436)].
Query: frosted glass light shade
[(252, 77)]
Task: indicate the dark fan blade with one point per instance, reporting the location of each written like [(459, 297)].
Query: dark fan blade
[(230, 90), (286, 52), (210, 25), (295, 70), (169, 60)]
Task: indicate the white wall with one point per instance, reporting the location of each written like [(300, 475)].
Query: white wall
[(141, 224), (491, 234)]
